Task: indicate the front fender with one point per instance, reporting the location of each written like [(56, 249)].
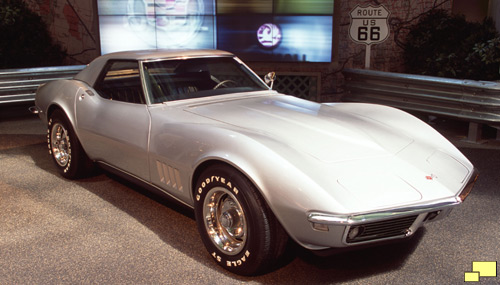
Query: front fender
[(288, 190)]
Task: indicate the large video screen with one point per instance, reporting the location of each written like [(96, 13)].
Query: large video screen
[(255, 30)]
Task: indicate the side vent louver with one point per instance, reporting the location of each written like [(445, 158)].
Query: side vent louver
[(169, 176)]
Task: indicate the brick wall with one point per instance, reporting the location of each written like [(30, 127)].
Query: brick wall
[(73, 24), (386, 56)]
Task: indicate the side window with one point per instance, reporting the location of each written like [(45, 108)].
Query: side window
[(121, 82)]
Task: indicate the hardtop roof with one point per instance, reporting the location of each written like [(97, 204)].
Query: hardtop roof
[(93, 69)]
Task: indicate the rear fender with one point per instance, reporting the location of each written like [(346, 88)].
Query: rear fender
[(61, 94)]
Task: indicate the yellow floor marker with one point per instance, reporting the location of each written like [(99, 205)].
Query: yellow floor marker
[(485, 268), (471, 277), (481, 269)]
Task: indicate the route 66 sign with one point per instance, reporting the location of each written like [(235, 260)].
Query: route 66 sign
[(369, 25)]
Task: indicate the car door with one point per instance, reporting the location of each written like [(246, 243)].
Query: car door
[(113, 120)]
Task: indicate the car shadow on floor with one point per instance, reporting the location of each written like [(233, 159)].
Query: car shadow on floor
[(174, 224), (339, 267), (351, 265)]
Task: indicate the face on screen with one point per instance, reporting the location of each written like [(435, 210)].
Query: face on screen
[(256, 30)]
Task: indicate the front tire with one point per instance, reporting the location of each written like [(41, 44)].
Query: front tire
[(237, 227), (65, 148)]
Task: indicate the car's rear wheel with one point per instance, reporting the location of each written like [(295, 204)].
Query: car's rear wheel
[(237, 227), (65, 149)]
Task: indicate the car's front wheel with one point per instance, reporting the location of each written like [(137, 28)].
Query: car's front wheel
[(65, 149), (237, 227)]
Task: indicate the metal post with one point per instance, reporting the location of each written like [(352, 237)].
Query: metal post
[(475, 132), (368, 53)]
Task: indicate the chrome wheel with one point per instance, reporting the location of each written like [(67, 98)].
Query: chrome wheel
[(225, 221), (60, 144), (237, 227)]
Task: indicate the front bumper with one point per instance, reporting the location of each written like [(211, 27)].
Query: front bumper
[(385, 225)]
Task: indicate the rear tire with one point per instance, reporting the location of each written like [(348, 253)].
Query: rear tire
[(237, 227), (65, 148)]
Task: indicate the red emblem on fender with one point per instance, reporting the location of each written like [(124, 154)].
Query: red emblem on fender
[(430, 177)]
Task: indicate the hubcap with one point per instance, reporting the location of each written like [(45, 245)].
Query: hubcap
[(225, 220), (60, 144)]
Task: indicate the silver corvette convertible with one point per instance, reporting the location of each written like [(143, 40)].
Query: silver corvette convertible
[(258, 167)]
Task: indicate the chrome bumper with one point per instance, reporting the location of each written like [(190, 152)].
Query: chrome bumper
[(361, 218)]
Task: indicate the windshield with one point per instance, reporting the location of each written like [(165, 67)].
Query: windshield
[(170, 80)]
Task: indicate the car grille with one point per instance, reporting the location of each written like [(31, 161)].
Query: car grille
[(380, 230)]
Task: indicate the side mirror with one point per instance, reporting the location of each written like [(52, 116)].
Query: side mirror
[(269, 79)]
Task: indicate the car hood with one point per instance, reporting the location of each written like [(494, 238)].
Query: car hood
[(311, 128), (351, 151)]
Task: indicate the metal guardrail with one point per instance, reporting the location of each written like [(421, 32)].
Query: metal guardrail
[(477, 102), (19, 85)]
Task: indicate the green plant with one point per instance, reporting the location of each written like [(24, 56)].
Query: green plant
[(447, 45), (24, 38)]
